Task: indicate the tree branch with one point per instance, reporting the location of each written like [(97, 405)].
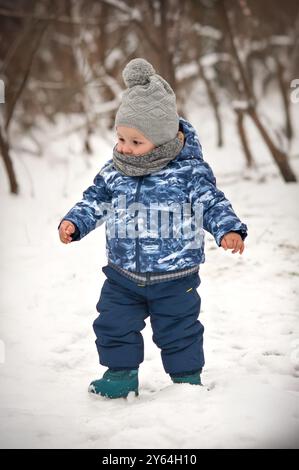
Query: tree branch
[(132, 15), (26, 76)]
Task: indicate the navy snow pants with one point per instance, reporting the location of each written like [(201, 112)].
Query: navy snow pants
[(173, 308)]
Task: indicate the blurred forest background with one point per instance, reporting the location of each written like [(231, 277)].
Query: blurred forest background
[(66, 57)]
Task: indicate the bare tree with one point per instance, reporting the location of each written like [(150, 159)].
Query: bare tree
[(14, 97), (279, 156), (87, 43)]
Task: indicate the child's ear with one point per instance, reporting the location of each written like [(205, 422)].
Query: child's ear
[(181, 136)]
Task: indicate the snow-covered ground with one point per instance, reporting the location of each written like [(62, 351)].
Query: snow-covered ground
[(249, 310)]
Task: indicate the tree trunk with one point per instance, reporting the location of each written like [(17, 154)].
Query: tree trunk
[(11, 106), (280, 157), (243, 137), (285, 99), (214, 103), (166, 58), (4, 150)]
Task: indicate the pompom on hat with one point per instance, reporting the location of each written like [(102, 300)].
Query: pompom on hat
[(148, 104)]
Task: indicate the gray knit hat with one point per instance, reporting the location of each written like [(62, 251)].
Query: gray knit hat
[(149, 103)]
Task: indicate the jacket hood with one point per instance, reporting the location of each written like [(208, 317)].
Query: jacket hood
[(192, 148)]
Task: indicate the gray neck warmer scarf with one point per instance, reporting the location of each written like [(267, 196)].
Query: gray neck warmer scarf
[(155, 160)]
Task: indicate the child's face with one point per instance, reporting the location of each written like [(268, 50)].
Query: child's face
[(132, 142)]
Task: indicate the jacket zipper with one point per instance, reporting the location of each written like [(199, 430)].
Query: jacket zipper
[(136, 215)]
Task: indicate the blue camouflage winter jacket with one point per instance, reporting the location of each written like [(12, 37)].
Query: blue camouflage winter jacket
[(138, 209)]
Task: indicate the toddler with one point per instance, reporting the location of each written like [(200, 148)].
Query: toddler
[(157, 195)]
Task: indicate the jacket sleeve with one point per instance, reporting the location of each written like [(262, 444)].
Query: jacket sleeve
[(218, 215), (92, 210)]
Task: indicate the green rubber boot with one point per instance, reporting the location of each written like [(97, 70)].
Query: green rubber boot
[(116, 384), (193, 379)]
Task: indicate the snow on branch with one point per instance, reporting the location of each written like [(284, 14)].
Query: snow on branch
[(122, 6), (133, 15), (103, 108), (51, 18), (209, 60), (187, 71), (207, 31), (240, 105), (281, 41)]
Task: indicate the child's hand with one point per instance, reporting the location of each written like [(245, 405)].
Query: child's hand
[(233, 241), (65, 230)]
